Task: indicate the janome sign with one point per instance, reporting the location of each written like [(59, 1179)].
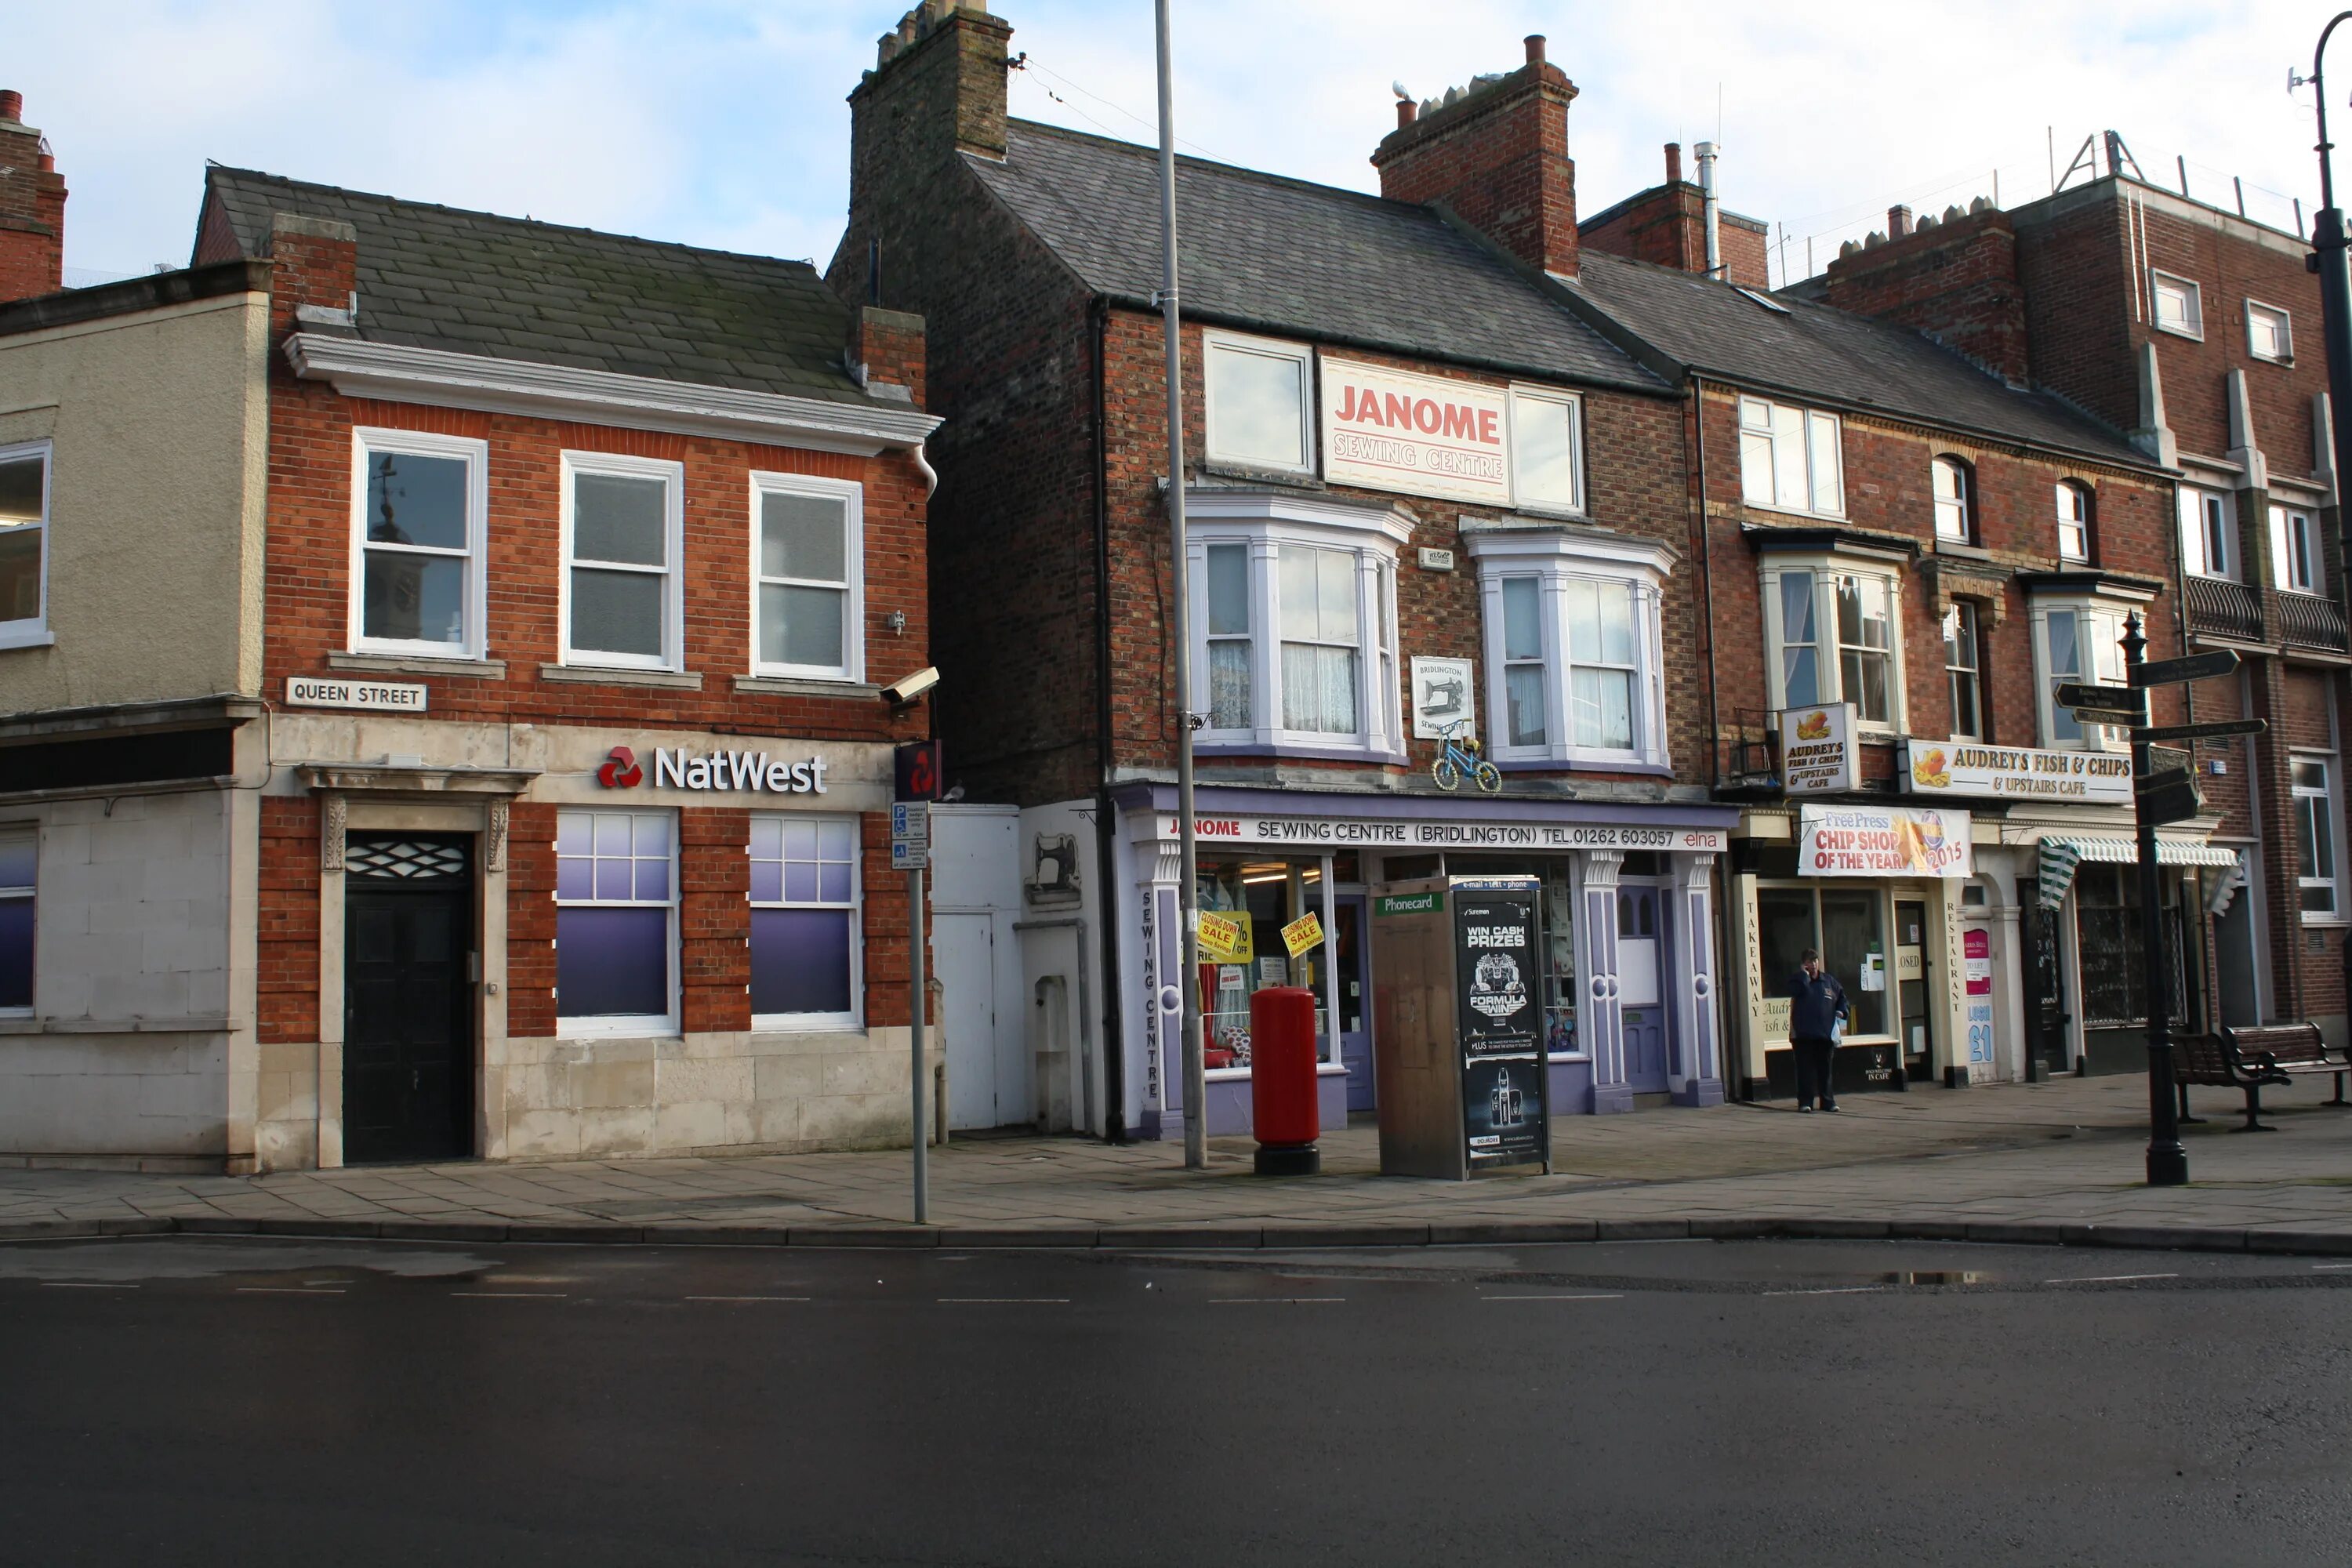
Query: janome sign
[(1423, 435), (1872, 841)]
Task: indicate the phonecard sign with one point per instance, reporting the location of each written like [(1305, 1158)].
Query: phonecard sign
[(1500, 983)]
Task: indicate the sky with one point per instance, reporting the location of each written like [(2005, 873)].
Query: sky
[(723, 122)]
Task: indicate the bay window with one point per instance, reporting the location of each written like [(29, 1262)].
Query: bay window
[(808, 575), (1572, 638), (804, 923), (1256, 407), (2078, 641), (623, 589), (1789, 458), (615, 922), (1832, 636), (2316, 817), (418, 506), (1293, 623)]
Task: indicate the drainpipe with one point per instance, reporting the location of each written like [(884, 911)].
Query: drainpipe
[(1705, 150), (1105, 818)]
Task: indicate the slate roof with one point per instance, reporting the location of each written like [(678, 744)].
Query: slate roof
[(1814, 351), (441, 278), (1288, 255)]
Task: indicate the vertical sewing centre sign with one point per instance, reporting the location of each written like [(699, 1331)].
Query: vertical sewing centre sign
[(1423, 435)]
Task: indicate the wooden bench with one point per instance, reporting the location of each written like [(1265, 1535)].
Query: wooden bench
[(2250, 1057)]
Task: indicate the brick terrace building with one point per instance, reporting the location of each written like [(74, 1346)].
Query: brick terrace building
[(511, 781), (2178, 322), (1420, 493)]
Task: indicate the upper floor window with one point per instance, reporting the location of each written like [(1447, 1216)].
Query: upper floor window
[(1547, 470), (808, 573), (2294, 551), (1293, 623), (24, 544), (1830, 631), (1257, 403), (804, 923), (1956, 500), (2076, 642), (2316, 814), (2208, 530), (416, 543), (1963, 671), (2073, 520), (2270, 332), (2180, 306), (616, 921), (622, 594), (1789, 458), (1572, 646)]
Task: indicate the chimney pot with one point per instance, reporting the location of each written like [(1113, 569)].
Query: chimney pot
[(12, 104), (1674, 163), (1407, 112), (1535, 48), (1898, 221)]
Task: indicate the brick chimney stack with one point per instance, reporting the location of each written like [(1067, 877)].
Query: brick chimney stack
[(1956, 280), (1497, 153), (32, 207)]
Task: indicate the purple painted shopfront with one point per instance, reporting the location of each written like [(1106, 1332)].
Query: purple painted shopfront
[(1628, 947)]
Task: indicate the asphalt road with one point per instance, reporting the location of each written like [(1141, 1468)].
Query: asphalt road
[(229, 1401)]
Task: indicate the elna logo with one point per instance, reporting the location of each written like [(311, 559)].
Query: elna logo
[(621, 770)]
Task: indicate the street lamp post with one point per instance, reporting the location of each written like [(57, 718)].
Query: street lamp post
[(2168, 1162), (2328, 243)]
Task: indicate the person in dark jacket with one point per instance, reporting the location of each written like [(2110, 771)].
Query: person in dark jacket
[(1816, 1003)]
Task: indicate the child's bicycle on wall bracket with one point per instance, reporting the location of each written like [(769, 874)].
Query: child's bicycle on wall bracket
[(1455, 758)]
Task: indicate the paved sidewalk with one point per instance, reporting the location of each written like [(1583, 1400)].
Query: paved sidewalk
[(2045, 1162)]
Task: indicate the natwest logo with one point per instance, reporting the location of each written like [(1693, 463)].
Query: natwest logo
[(621, 770)]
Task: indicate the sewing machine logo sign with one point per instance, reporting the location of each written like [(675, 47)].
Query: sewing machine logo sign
[(1495, 988), (1441, 695)]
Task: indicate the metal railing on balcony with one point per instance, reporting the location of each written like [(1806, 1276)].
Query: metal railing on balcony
[(2309, 621), (2221, 608)]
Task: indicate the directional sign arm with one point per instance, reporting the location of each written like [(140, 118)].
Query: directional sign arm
[(2196, 667), (2219, 729)]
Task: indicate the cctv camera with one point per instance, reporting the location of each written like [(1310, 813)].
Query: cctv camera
[(909, 688)]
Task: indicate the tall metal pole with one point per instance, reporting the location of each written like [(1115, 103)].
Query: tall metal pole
[(1196, 1078), (922, 1066), (2329, 244), (2168, 1162)]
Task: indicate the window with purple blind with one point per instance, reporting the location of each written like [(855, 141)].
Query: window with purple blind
[(17, 856), (615, 891), (804, 923)]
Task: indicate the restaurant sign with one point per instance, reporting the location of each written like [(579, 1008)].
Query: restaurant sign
[(1422, 435), (1883, 841), (1818, 755), (1961, 767)]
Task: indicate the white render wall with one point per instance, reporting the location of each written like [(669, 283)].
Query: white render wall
[(128, 1054)]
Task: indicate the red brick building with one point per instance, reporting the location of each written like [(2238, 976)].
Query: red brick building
[(2196, 330), (549, 812), (1420, 495)]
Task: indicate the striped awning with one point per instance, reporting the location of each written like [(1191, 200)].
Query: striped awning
[(2061, 856)]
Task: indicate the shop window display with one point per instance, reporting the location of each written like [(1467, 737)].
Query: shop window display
[(1846, 924), (1264, 896)]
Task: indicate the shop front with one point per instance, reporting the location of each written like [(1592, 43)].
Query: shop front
[(1877, 892), (1626, 946)]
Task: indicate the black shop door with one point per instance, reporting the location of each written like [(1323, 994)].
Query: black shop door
[(408, 1036)]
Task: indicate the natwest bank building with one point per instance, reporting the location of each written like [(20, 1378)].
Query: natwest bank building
[(1425, 505)]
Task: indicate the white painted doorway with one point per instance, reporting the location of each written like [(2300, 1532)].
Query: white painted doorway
[(976, 898)]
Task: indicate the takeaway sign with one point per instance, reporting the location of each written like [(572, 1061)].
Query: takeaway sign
[(1960, 766), (1422, 435)]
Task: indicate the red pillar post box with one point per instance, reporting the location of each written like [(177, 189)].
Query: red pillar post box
[(1284, 1116)]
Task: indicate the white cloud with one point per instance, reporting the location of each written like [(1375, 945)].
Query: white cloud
[(722, 123)]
